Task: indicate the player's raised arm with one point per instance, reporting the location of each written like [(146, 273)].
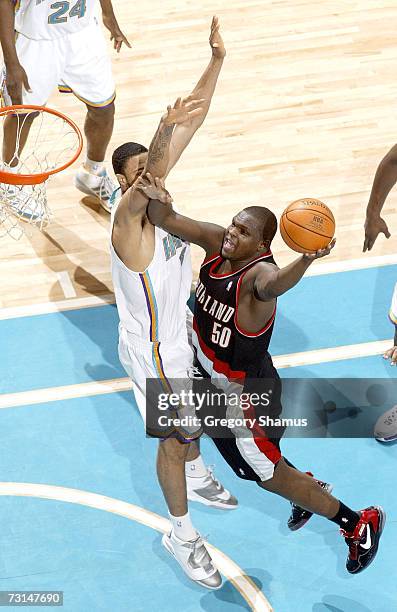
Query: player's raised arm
[(272, 282), (133, 204), (16, 75), (160, 212), (384, 181), (204, 89)]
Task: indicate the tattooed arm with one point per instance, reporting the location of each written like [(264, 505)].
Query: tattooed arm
[(133, 204), (130, 215)]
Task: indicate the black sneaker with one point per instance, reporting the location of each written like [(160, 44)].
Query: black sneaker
[(364, 541), (299, 516)]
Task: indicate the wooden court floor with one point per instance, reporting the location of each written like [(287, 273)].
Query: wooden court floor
[(306, 106)]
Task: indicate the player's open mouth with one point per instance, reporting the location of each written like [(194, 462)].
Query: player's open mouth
[(228, 245)]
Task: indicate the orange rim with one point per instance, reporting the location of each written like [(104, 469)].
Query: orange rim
[(34, 179)]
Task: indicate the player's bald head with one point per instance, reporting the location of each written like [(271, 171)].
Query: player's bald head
[(265, 221)]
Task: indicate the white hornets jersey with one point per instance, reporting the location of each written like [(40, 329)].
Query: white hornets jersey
[(152, 304), (47, 19)]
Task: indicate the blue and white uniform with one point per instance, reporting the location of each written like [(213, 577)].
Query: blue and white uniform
[(154, 316), (62, 44)]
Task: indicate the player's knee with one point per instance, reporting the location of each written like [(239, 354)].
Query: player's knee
[(102, 115), (280, 474), (173, 450)]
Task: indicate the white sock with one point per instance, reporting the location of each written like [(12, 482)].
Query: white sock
[(196, 468), (183, 528), (95, 167)]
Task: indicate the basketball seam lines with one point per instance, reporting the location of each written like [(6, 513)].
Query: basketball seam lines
[(306, 228), (294, 241), (319, 212)]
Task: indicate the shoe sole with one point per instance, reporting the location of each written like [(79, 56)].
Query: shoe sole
[(381, 526), (386, 440), (206, 502), (297, 526), (81, 187), (168, 547)]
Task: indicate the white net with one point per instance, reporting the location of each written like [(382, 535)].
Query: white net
[(22, 203), (34, 142)]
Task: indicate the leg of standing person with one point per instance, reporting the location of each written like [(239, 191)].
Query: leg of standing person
[(183, 541), (88, 75)]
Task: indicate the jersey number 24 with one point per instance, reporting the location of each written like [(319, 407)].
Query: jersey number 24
[(62, 12)]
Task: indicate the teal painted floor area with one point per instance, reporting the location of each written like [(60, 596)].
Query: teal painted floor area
[(78, 346), (374, 366), (99, 560), (96, 444), (335, 310)]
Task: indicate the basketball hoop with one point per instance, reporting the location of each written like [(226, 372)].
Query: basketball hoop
[(37, 142)]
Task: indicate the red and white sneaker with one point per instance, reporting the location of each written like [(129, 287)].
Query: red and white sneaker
[(364, 541)]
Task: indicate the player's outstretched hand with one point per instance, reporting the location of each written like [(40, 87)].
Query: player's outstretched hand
[(392, 355), (373, 227), (216, 41), (183, 111), (321, 252), (153, 188), (116, 35)]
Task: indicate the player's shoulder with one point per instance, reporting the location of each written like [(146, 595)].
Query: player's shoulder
[(258, 270), (261, 267)]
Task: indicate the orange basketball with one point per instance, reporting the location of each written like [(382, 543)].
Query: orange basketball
[(307, 225)]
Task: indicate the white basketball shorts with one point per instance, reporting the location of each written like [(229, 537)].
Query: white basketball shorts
[(78, 63), (170, 363)]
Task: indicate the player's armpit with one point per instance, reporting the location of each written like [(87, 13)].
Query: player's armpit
[(128, 226), (132, 207), (264, 289)]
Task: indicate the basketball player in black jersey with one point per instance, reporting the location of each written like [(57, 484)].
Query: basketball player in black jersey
[(234, 315)]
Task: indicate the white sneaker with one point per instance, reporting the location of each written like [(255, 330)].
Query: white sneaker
[(210, 492), (385, 429), (194, 559), (101, 187)]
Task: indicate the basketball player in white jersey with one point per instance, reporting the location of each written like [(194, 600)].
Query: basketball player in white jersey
[(47, 44), (152, 276)]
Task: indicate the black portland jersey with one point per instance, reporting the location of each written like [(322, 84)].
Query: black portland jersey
[(224, 349)]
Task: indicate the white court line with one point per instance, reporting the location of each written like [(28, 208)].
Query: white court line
[(92, 301), (66, 284), (337, 353), (53, 394), (248, 589), (59, 306), (115, 385)]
